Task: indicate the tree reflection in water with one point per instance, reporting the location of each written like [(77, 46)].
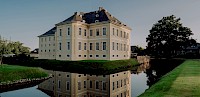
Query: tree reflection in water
[(156, 69)]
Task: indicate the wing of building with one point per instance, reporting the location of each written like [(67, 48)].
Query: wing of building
[(94, 35)]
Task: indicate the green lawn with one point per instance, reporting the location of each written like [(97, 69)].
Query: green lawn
[(84, 66), (183, 81), (13, 72)]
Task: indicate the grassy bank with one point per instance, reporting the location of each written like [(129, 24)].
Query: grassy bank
[(13, 72), (183, 81), (85, 66)]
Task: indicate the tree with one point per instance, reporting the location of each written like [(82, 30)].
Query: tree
[(8, 47), (139, 50), (167, 36), (3, 49)]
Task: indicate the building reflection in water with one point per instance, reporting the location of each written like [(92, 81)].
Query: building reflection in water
[(66, 84)]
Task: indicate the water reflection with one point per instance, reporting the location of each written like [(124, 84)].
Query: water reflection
[(66, 84), (139, 79), (121, 84)]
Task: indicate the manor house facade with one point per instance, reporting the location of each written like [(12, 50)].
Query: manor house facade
[(94, 35)]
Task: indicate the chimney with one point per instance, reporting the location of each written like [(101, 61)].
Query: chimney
[(76, 13), (101, 8)]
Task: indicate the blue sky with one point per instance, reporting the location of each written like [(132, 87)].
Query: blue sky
[(24, 20)]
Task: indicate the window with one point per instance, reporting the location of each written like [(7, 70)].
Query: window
[(85, 32), (113, 31), (124, 47), (97, 15), (79, 55), (68, 45), (60, 46), (127, 35), (97, 84), (124, 34), (117, 84), (113, 85), (121, 83), (85, 84), (45, 39), (79, 85), (124, 82), (68, 31), (91, 32), (49, 50), (97, 32), (125, 94), (113, 55), (117, 32), (97, 46), (53, 38), (113, 45), (121, 33), (104, 55), (104, 31), (79, 45), (58, 84), (49, 38), (67, 85), (117, 46), (104, 85), (60, 32), (121, 47), (59, 55), (85, 46), (42, 39), (90, 55), (84, 55), (90, 46), (104, 45), (79, 31), (90, 84), (68, 55), (97, 55)]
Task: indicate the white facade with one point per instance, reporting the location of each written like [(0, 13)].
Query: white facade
[(47, 47), (77, 39)]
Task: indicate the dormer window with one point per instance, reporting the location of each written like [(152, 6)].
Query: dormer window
[(97, 15), (96, 21)]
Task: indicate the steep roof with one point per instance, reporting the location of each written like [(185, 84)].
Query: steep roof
[(93, 17), (50, 32), (100, 15)]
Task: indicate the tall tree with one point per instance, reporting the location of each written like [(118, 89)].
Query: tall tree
[(167, 36), (3, 49), (8, 47)]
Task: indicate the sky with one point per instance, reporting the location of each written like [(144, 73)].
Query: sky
[(24, 20)]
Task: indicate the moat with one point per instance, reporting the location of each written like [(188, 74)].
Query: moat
[(130, 83)]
